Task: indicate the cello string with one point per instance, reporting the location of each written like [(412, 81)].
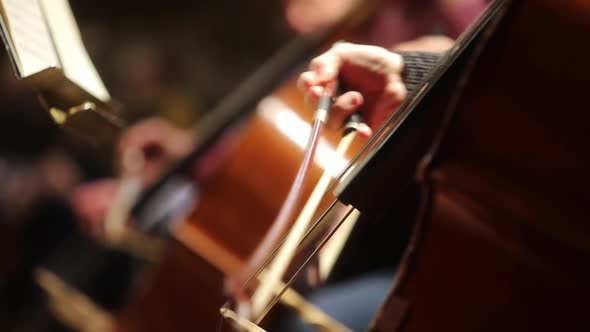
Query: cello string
[(291, 299), (308, 312), (238, 321), (259, 257), (321, 244), (277, 267), (328, 256), (272, 254)]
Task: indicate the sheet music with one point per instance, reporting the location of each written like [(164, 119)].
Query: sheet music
[(76, 63), (44, 34), (29, 36)]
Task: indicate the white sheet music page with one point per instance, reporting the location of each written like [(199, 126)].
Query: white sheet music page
[(30, 36), (76, 63)]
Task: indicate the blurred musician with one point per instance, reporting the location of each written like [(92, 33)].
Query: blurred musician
[(395, 21)]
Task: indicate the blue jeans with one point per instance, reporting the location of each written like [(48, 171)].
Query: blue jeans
[(353, 303)]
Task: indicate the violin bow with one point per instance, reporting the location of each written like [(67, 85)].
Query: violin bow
[(280, 262), (191, 238)]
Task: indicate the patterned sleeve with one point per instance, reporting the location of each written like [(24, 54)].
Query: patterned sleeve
[(417, 65)]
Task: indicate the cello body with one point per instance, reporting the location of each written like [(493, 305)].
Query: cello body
[(237, 204), (501, 242)]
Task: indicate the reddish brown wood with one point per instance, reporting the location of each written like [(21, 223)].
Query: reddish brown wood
[(238, 204), (504, 239)]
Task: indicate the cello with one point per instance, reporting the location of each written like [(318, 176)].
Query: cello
[(501, 240), (211, 242), (521, 251)]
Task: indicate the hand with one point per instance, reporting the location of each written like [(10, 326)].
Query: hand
[(155, 144), (371, 74), (91, 203)]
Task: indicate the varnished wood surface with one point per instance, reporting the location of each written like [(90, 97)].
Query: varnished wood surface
[(503, 243), (237, 205)]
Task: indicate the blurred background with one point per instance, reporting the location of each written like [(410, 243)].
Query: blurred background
[(175, 60), (172, 59)]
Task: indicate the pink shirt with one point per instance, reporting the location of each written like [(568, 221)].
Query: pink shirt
[(399, 21)]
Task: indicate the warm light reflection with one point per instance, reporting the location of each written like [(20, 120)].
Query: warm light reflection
[(289, 123)]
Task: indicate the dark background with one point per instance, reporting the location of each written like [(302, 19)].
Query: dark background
[(173, 59)]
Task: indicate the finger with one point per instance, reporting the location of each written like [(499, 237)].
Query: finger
[(364, 130), (326, 67), (306, 80), (156, 140), (134, 158), (393, 95), (344, 106), (152, 170), (148, 132), (90, 202), (313, 95)]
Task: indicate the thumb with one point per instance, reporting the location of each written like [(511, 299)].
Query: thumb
[(344, 106)]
